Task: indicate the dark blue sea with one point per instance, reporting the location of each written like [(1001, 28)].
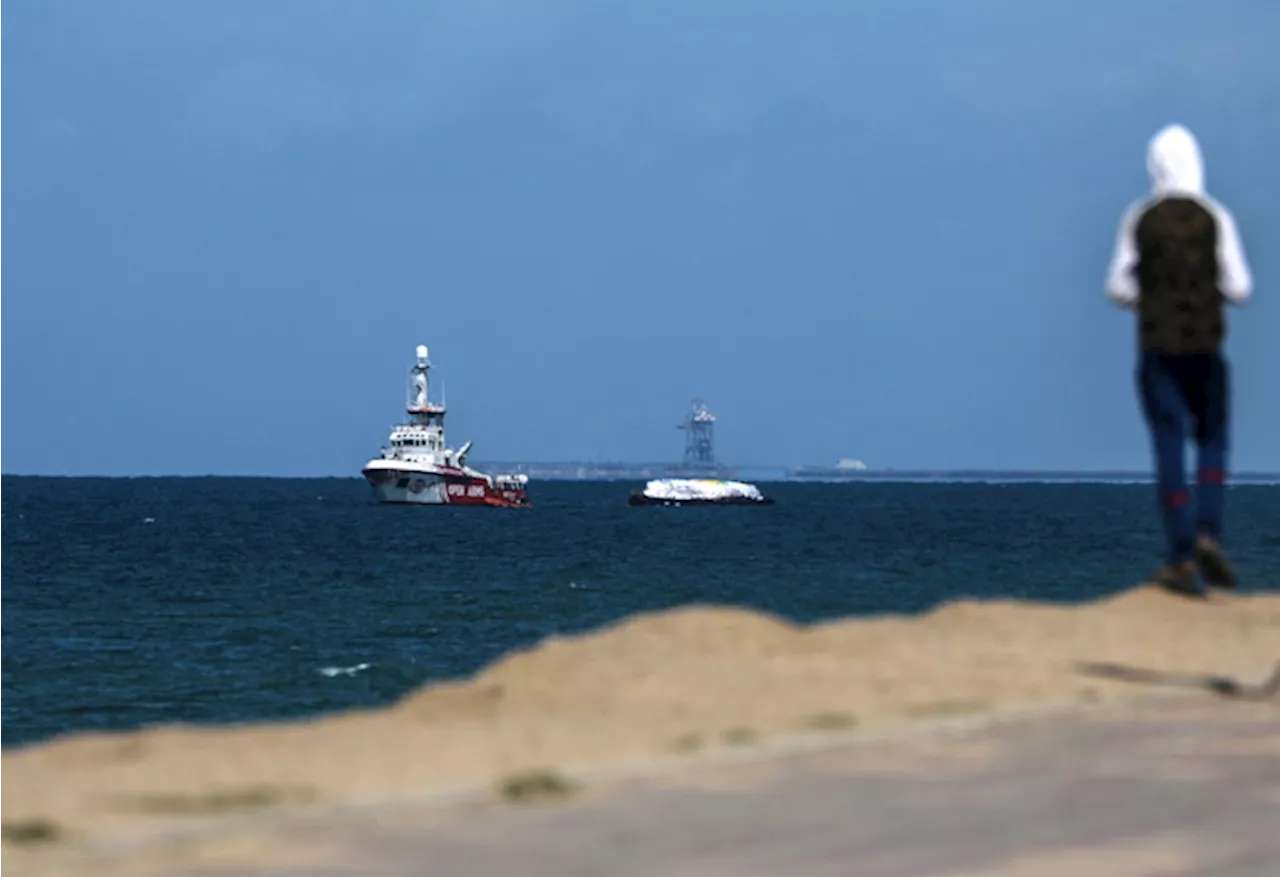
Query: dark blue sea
[(133, 601)]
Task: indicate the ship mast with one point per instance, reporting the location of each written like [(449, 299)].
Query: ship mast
[(419, 406)]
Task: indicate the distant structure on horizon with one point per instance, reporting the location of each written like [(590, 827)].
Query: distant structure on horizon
[(847, 467), (699, 441), (699, 458)]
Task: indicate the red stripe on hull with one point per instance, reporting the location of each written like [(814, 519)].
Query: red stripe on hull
[(442, 487)]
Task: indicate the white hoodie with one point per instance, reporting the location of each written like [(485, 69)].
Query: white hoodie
[(1176, 169)]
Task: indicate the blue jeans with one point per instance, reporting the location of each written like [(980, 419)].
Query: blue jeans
[(1179, 392)]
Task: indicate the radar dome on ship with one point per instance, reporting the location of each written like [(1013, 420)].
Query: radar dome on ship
[(422, 351)]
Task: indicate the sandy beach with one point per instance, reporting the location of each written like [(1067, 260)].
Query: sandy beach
[(670, 684)]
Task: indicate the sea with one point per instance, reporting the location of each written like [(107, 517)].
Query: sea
[(130, 602)]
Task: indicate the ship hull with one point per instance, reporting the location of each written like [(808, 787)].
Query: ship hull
[(411, 487)]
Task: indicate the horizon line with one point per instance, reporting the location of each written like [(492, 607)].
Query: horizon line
[(869, 474)]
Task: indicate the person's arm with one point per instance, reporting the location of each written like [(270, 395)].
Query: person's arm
[(1122, 285), (1234, 278)]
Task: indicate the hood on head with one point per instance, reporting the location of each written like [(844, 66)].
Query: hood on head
[(1174, 162)]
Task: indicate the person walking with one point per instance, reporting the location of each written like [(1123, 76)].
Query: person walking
[(1178, 261)]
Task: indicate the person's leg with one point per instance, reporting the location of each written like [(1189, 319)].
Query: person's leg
[(1208, 394), (1165, 411), (1209, 408)]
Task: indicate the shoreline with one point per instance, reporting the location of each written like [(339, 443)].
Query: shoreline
[(692, 683)]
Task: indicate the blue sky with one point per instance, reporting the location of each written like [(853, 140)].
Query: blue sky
[(872, 229)]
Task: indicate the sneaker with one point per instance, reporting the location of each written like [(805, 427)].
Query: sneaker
[(1179, 578), (1213, 563)]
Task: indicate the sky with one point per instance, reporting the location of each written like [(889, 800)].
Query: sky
[(866, 228)]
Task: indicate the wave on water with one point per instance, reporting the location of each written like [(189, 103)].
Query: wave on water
[(331, 672)]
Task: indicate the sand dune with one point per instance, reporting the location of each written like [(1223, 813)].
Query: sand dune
[(655, 684)]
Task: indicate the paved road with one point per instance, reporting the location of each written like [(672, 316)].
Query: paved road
[(1181, 786)]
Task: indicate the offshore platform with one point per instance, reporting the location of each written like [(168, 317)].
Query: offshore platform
[(699, 444), (699, 440)]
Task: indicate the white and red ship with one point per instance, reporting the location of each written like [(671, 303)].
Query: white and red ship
[(419, 468)]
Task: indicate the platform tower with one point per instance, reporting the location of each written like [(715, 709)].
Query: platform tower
[(699, 441)]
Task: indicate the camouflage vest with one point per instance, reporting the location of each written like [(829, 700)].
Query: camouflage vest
[(1180, 308)]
